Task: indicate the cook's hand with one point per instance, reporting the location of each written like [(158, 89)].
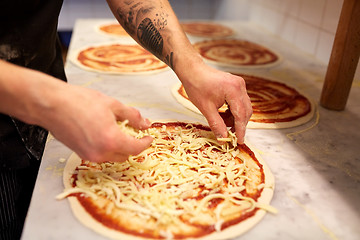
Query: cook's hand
[(86, 121), (209, 89), (82, 119)]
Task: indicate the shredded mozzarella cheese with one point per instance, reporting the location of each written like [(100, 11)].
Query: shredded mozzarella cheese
[(185, 172)]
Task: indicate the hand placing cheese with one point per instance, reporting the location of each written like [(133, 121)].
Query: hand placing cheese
[(154, 25), (185, 186), (91, 125), (209, 89), (83, 119)]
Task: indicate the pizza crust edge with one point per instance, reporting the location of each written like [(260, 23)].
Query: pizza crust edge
[(254, 125), (239, 66), (72, 57), (233, 231)]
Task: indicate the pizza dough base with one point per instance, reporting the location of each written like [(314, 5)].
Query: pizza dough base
[(232, 66), (237, 66), (216, 36), (233, 231), (98, 30), (302, 120), (74, 55)]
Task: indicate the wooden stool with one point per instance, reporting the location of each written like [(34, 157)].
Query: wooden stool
[(344, 58)]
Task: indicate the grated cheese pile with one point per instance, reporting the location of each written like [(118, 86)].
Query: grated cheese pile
[(183, 175)]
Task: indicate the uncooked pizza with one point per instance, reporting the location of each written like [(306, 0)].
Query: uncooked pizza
[(235, 52), (207, 29), (117, 59), (114, 29), (274, 104), (185, 186)]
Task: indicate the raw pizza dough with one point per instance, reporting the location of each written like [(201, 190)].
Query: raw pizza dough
[(275, 104), (112, 29), (236, 53), (117, 58), (207, 29), (265, 190)]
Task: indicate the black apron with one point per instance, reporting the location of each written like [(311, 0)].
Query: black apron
[(28, 38)]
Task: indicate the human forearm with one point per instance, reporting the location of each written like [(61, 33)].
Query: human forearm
[(24, 93), (83, 119), (155, 26)]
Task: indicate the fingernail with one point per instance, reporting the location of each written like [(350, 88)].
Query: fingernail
[(219, 135), (146, 123), (240, 140)]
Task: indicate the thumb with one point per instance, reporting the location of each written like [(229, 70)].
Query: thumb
[(134, 146), (140, 145)]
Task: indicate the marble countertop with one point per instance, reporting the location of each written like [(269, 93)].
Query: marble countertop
[(316, 165)]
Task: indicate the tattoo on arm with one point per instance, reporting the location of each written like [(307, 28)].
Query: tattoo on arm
[(161, 20), (127, 21), (148, 31), (169, 60), (128, 2), (128, 18), (150, 37)]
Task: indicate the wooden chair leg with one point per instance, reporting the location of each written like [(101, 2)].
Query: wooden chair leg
[(344, 58)]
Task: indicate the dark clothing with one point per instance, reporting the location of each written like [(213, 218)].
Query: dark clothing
[(16, 187), (28, 38)]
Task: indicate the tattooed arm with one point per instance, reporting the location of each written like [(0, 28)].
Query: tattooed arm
[(154, 25), (151, 24)]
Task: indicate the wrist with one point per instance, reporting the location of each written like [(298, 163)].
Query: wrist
[(187, 66), (46, 95)]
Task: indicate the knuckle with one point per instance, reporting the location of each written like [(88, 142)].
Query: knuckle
[(114, 103), (237, 82), (250, 111), (105, 143), (213, 124), (93, 155), (136, 114)]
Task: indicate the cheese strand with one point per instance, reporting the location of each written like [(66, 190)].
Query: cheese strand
[(185, 172)]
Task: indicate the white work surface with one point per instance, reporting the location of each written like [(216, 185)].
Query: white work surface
[(316, 165)]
